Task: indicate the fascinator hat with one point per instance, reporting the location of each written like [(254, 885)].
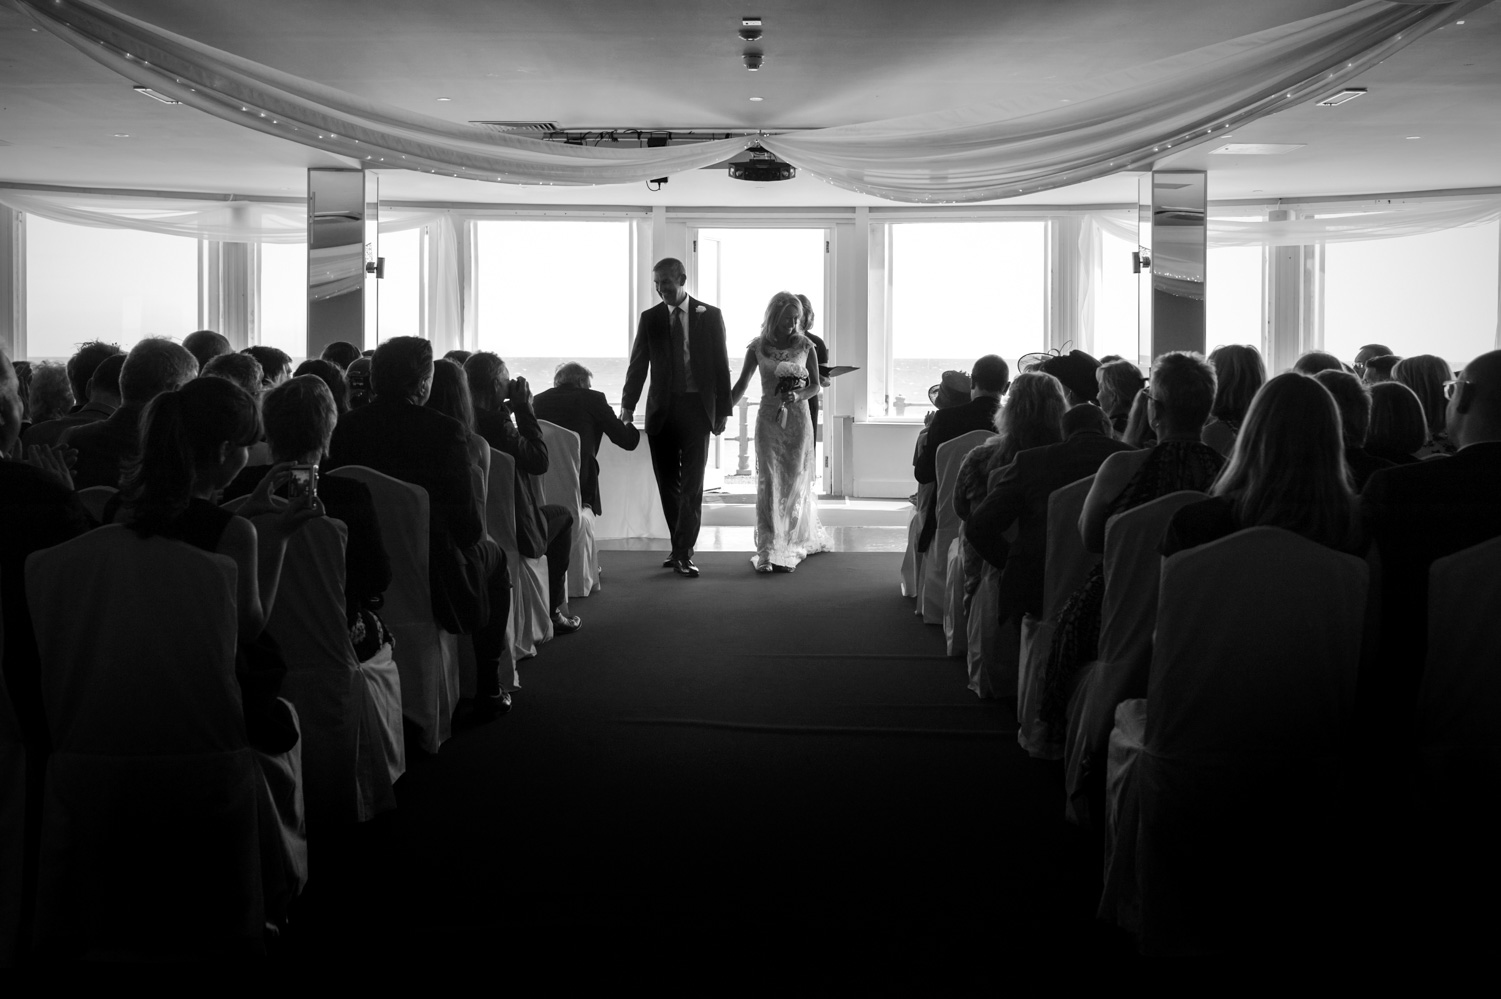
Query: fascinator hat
[(951, 391)]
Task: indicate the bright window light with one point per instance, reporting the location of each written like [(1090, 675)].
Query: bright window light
[(399, 293), (283, 314)]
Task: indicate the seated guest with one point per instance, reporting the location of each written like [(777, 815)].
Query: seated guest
[(1354, 402), (360, 392), (1032, 418), (573, 404), (276, 366), (458, 356), (1178, 401), (81, 368), (1363, 357), (1379, 368), (103, 399), (341, 352), (299, 417), (1019, 495), (1421, 512), (450, 396), (193, 444), (1139, 431), (541, 528), (1398, 427), (242, 369), (39, 509), (51, 395), (1315, 361), (1287, 471), (1238, 374), (396, 434), (153, 366), (1426, 374), (332, 375), (1120, 381), (990, 379), (1076, 372), (205, 345)]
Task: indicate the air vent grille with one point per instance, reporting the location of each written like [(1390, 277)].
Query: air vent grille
[(518, 126)]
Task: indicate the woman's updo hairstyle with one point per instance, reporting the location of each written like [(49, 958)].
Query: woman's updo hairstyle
[(181, 433), (1183, 386)]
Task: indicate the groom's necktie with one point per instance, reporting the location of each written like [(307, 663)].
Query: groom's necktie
[(682, 371)]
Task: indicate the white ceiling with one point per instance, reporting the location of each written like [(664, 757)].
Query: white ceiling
[(632, 63)]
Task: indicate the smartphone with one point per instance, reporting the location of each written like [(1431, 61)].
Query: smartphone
[(304, 481)]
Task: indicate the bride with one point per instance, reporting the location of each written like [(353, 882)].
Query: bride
[(787, 527)]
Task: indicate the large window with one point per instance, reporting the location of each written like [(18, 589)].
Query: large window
[(960, 290), (118, 285), (1430, 294), (400, 290), (1233, 297), (283, 315), (739, 270), (1116, 318), (551, 291)]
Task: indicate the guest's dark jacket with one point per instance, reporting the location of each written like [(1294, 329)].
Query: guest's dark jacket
[(522, 440), (821, 351), (1415, 514), (37, 512), (105, 446), (1362, 465), (367, 567), (1019, 494), (588, 414), (422, 446), (51, 431), (977, 414)]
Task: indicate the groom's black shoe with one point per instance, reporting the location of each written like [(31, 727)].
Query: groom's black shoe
[(685, 567), (669, 563)]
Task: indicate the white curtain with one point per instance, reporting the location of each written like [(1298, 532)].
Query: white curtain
[(982, 152)]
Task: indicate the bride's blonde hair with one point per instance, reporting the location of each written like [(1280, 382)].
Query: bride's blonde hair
[(774, 308)]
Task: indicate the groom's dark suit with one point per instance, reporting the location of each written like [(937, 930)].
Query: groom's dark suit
[(686, 402)]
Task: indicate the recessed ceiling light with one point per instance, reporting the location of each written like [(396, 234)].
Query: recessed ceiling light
[(1258, 148), (122, 135), (1343, 97), (445, 98), (1411, 137), (758, 98), (1456, 22)]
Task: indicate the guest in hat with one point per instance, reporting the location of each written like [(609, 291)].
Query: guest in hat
[(1076, 370), (989, 380)]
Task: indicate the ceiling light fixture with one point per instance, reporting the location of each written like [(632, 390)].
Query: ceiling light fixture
[(1343, 97), (757, 99), (1411, 137), (445, 99), (752, 60), (155, 96), (762, 167)]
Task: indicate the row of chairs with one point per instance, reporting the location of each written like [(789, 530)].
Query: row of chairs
[(1217, 710), (149, 736)]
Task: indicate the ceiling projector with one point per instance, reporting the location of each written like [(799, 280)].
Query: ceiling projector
[(762, 166)]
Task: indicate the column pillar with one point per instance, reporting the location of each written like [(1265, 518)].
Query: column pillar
[(1173, 232), (343, 214)]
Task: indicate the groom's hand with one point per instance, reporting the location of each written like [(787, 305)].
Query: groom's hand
[(719, 425), (627, 415)]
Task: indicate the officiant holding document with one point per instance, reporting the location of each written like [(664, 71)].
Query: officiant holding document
[(681, 341)]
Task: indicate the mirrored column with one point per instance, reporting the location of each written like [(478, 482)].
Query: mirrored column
[(343, 212), (1173, 232)]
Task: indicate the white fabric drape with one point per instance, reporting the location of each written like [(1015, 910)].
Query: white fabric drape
[(986, 151)]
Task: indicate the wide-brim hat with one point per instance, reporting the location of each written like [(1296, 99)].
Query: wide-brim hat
[(952, 390), (1076, 371)]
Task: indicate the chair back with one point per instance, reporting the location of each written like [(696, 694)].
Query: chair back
[(95, 498), (1258, 639), (404, 526), (479, 485), (560, 486), (1133, 558), (500, 503), (1067, 562), (1460, 696), (950, 456)]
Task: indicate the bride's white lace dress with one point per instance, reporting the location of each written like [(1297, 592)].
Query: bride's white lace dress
[(787, 525)]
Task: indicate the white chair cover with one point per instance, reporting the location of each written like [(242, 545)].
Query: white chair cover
[(560, 486), (94, 499), (350, 712), (1234, 764), (530, 621), (994, 651), (150, 844), (955, 613), (1065, 568), (283, 825), (1128, 613), (426, 655), (912, 559), (13, 860), (935, 564), (628, 501)]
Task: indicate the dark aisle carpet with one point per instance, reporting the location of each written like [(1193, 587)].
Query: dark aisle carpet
[(742, 779)]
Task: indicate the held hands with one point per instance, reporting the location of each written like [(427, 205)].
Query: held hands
[(286, 515), (719, 425), (627, 415)]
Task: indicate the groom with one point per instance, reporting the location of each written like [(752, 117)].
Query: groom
[(682, 342)]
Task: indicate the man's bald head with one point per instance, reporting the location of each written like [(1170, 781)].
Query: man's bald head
[(1475, 404)]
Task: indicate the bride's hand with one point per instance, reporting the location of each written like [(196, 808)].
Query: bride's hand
[(789, 397)]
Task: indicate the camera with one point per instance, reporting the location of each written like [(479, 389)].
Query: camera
[(304, 481)]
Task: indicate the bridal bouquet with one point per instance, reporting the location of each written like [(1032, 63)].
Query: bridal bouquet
[(790, 378)]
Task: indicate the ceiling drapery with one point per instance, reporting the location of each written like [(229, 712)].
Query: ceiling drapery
[(986, 151)]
